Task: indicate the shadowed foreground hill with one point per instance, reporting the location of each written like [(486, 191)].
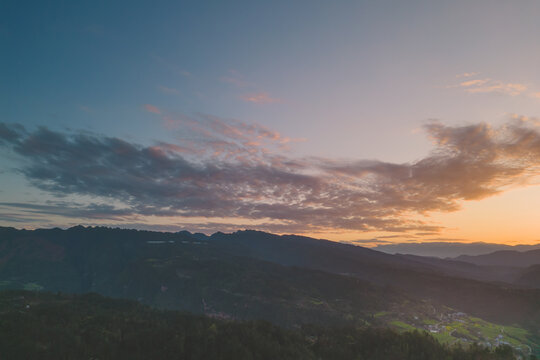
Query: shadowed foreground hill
[(46, 326), (174, 271)]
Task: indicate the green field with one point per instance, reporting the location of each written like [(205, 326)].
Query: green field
[(450, 327)]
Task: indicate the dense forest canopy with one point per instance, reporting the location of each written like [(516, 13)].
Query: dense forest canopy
[(58, 326)]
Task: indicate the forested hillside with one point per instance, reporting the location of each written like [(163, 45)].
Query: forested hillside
[(48, 326)]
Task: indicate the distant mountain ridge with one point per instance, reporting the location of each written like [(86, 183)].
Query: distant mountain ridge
[(504, 258), (529, 276), (449, 249), (465, 269)]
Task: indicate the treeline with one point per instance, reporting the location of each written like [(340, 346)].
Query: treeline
[(57, 326)]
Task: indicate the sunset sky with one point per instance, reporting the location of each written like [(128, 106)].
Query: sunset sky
[(378, 121)]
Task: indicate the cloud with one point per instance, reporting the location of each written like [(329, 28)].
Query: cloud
[(69, 209), (477, 82), (152, 109), (477, 85), (259, 98), (266, 189), (17, 218), (225, 139), (11, 132), (467, 74), (532, 121), (487, 85)]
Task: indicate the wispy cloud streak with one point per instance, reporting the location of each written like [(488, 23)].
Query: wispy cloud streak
[(224, 139), (472, 84), (479, 86), (259, 98), (152, 109)]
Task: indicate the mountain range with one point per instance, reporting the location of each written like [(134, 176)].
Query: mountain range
[(449, 249), (288, 280), (504, 258)]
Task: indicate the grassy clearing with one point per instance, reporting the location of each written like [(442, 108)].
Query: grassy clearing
[(32, 287), (444, 337), (402, 326)]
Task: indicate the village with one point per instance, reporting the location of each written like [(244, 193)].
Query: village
[(452, 327)]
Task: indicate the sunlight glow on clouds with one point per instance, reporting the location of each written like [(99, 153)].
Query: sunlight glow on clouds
[(487, 85), (237, 170), (467, 74)]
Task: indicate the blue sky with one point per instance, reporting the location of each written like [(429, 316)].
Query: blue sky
[(344, 81)]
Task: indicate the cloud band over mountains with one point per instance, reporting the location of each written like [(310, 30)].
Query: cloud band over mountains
[(241, 175)]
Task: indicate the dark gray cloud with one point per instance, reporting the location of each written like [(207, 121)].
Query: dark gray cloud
[(238, 177), (68, 209), (17, 218)]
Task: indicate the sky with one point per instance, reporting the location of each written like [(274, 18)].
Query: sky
[(357, 121)]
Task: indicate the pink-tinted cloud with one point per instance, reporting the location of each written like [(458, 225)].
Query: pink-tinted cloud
[(151, 108), (259, 98), (230, 139), (488, 85), (512, 89), (467, 74), (477, 82)]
